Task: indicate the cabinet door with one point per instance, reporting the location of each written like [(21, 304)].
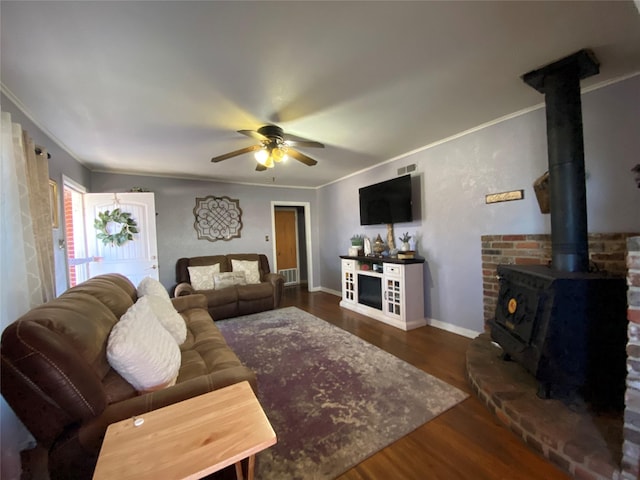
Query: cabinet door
[(349, 286), (393, 290)]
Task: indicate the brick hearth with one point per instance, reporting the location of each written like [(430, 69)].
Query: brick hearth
[(587, 445)]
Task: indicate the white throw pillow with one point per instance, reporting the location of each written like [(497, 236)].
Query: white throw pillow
[(169, 318), (228, 279), (142, 351), (202, 277), (151, 286), (249, 267)]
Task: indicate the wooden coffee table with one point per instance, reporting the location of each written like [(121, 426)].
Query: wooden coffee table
[(189, 439)]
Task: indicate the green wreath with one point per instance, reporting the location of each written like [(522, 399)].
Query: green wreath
[(128, 227)]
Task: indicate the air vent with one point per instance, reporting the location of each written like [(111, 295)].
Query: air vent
[(290, 276), (407, 169)]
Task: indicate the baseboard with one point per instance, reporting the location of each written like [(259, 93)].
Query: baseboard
[(449, 327), (337, 293)]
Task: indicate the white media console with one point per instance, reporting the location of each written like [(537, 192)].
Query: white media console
[(386, 289)]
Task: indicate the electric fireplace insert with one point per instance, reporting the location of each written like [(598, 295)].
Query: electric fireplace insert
[(370, 291)]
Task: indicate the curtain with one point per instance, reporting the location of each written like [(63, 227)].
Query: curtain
[(26, 255), (37, 176)]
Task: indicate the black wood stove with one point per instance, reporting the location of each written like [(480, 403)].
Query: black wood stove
[(564, 323), (567, 329)]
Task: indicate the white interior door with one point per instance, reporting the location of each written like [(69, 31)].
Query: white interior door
[(135, 259)]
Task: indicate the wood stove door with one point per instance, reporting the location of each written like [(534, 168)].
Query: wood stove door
[(521, 300)]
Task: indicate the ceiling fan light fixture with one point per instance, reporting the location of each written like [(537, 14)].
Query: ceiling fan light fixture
[(279, 154), (262, 156), (274, 147)]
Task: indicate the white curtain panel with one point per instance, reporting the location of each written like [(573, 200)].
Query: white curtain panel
[(26, 256), (37, 170)]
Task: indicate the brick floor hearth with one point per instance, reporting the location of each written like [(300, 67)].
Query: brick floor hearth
[(586, 445)]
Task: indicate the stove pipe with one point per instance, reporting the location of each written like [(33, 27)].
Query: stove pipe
[(560, 83)]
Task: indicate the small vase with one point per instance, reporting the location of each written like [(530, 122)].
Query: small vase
[(378, 245), (405, 247)]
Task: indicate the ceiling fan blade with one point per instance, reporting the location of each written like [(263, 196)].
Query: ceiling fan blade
[(260, 168), (296, 141), (254, 134), (252, 148), (301, 157), (304, 143)]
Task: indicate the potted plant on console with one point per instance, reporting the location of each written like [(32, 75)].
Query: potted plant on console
[(405, 242), (357, 245), (405, 249)]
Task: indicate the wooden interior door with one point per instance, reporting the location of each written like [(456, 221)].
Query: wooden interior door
[(286, 241)]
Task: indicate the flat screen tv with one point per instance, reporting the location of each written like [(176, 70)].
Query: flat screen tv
[(386, 202)]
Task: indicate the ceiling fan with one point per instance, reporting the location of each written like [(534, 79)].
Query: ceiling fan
[(275, 146)]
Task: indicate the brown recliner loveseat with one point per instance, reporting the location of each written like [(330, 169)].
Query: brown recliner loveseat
[(56, 377), (236, 300)]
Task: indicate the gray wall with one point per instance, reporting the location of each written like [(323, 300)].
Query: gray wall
[(454, 178), (175, 200)]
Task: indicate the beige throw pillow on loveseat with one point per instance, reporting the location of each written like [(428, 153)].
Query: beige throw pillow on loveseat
[(228, 279), (202, 276), (250, 269)]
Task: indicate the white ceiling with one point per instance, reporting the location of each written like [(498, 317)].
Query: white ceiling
[(160, 87)]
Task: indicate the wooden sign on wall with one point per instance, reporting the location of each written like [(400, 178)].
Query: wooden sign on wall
[(504, 196)]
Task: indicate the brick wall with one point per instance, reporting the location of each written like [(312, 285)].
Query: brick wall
[(631, 444), (606, 251), (68, 222)]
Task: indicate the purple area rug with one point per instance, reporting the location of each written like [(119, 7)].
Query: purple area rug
[(332, 398)]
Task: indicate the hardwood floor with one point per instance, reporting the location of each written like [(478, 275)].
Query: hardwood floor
[(466, 442)]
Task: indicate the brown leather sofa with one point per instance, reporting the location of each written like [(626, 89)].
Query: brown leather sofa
[(56, 377), (238, 299)]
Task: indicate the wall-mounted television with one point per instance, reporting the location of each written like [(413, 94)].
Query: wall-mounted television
[(386, 202)]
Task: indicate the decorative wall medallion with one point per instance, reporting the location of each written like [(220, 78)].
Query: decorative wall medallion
[(217, 218)]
